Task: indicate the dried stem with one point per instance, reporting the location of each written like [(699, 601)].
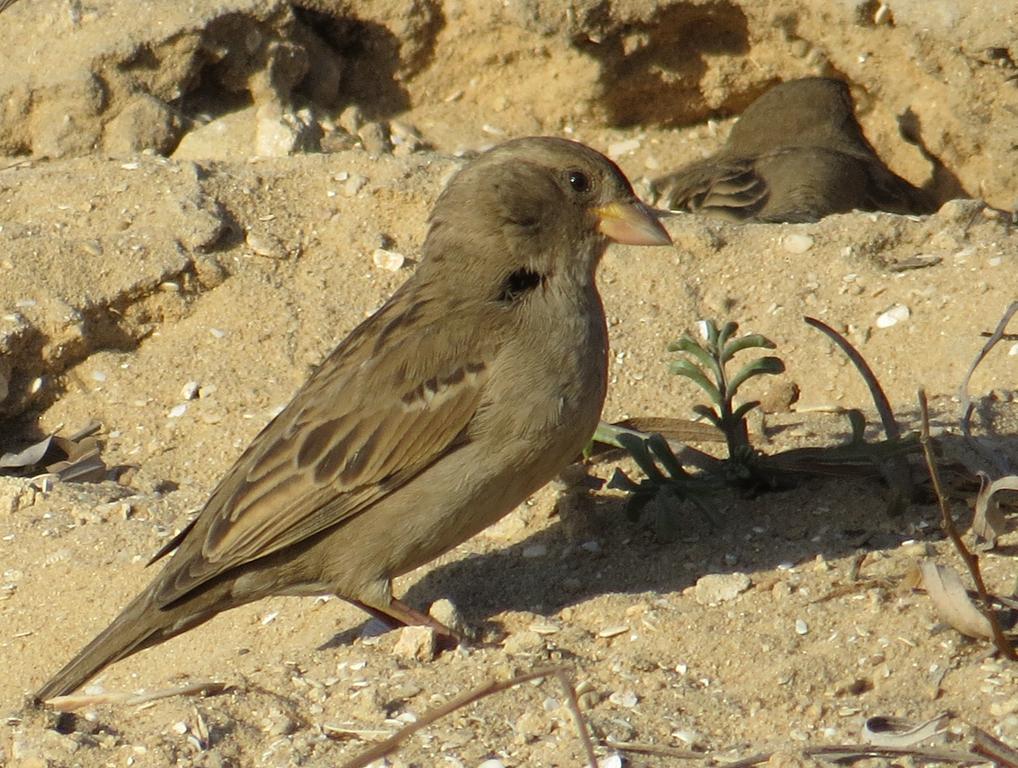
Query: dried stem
[(971, 561), (488, 688)]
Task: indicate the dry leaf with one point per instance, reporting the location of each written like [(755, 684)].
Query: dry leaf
[(899, 732), (952, 602), (988, 522)]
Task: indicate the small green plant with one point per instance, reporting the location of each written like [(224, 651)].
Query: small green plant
[(705, 364)]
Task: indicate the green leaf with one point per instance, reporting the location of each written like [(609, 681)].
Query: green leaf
[(726, 333), (691, 348), (620, 482), (760, 367), (740, 413), (638, 450), (858, 424), (660, 448), (750, 341), (694, 374), (710, 414)]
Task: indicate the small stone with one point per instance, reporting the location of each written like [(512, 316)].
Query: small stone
[(446, 613), (525, 643), (896, 314), (627, 699), (801, 628), (177, 411), (351, 119), (375, 138), (416, 644), (354, 184), (797, 243), (190, 390), (267, 245), (613, 631), (717, 588), (390, 261)]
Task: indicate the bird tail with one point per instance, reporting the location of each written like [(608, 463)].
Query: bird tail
[(138, 626)]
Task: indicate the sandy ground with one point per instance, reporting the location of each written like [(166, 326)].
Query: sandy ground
[(172, 265)]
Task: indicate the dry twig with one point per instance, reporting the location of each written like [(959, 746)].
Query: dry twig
[(971, 561), (490, 687)]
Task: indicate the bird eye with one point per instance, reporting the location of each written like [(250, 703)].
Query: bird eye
[(578, 180)]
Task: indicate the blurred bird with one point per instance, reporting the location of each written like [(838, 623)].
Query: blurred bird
[(796, 154), (474, 385)]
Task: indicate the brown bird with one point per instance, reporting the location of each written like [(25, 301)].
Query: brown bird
[(469, 389), (796, 154)]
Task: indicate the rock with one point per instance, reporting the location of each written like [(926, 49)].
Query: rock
[(445, 612), (66, 121), (416, 644), (375, 138), (279, 133), (145, 123), (525, 643), (717, 588)]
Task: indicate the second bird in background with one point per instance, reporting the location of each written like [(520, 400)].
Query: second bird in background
[(796, 154)]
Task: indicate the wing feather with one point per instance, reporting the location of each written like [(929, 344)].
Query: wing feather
[(368, 420)]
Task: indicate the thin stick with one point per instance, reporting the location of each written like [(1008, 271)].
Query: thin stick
[(994, 457), (901, 478), (970, 560), (657, 750), (488, 688), (71, 703), (574, 710), (840, 752)]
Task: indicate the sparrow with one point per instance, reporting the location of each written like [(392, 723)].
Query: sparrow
[(475, 384), (796, 154)]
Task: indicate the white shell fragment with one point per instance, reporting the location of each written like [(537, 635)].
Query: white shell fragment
[(801, 628), (627, 699), (797, 242), (177, 411), (390, 261), (619, 629), (896, 314)]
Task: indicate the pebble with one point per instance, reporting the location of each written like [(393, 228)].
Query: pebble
[(492, 763), (445, 612), (266, 245), (525, 643), (416, 644), (391, 261), (190, 390), (627, 699), (177, 411), (613, 760), (717, 588), (801, 628), (618, 629), (896, 314), (797, 243), (354, 184)]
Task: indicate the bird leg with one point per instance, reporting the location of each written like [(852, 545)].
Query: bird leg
[(399, 614)]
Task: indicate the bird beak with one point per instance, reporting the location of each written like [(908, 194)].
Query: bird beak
[(631, 223)]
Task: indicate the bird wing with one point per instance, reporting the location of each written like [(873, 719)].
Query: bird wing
[(396, 395), (728, 188)]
